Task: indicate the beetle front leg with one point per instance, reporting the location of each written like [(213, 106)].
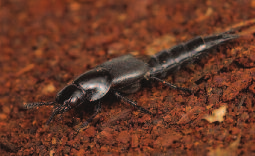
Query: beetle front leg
[(127, 100), (97, 110)]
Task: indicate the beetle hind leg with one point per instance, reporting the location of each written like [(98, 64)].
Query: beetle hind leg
[(171, 85), (127, 100)]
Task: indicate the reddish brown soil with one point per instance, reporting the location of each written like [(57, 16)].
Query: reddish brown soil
[(45, 44)]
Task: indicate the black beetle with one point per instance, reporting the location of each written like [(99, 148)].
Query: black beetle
[(123, 75)]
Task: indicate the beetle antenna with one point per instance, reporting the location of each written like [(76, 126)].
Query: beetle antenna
[(59, 110), (55, 112), (38, 104)]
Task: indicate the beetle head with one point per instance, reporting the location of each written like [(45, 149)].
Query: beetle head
[(69, 97), (90, 86)]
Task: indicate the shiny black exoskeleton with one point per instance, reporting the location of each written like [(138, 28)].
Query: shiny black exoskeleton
[(123, 75)]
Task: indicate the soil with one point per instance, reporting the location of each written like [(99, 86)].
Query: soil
[(46, 44)]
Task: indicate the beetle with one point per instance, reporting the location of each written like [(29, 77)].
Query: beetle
[(123, 75)]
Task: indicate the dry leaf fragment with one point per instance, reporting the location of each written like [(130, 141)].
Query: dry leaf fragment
[(217, 114), (229, 151)]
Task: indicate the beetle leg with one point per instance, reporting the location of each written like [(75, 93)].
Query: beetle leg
[(171, 85), (98, 110), (127, 100)]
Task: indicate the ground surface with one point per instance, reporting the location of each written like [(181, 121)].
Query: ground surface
[(45, 44)]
